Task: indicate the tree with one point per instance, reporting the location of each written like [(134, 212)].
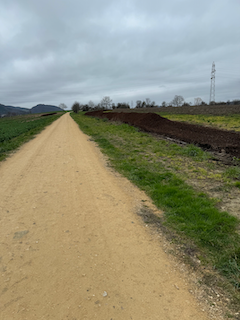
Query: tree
[(152, 104), (84, 107), (236, 101), (177, 101), (91, 104), (138, 104), (164, 104), (62, 106), (123, 105), (197, 101), (106, 103), (76, 107), (148, 102)]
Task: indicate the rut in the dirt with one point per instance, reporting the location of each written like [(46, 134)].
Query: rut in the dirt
[(205, 137)]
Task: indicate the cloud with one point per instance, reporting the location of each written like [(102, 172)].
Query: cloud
[(62, 51)]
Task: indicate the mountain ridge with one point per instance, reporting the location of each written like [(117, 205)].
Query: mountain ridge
[(39, 108)]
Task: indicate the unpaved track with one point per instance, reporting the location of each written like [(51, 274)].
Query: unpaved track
[(69, 233)]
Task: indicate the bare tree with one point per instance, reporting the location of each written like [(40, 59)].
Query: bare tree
[(138, 104), (177, 101), (62, 106), (153, 104), (91, 104), (148, 102), (76, 107), (164, 104), (197, 101), (106, 103)]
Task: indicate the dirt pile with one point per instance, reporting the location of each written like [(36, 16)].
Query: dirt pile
[(205, 137)]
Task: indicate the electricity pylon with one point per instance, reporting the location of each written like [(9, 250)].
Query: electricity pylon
[(212, 87)]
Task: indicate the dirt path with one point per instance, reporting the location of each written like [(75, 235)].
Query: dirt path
[(72, 246)]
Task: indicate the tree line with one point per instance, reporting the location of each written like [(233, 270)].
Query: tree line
[(107, 104)]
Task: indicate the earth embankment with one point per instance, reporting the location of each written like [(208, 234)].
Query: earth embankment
[(205, 137)]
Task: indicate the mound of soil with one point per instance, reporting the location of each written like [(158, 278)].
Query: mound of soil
[(205, 137)]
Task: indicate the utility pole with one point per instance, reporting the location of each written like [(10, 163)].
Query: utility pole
[(212, 87)]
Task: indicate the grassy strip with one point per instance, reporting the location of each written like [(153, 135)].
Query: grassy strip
[(17, 130), (230, 122), (137, 155)]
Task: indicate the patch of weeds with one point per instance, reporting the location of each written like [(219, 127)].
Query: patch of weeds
[(211, 165), (233, 172), (215, 176), (237, 184), (236, 161), (203, 171), (195, 152)]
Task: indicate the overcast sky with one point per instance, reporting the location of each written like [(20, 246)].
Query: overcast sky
[(61, 51)]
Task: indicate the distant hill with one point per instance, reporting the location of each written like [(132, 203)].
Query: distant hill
[(17, 110), (41, 108), (3, 110), (10, 110)]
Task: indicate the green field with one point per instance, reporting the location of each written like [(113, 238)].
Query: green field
[(17, 130), (183, 181), (230, 122)]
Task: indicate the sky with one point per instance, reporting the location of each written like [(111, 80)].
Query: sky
[(62, 51)]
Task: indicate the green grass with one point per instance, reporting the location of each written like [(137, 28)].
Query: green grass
[(233, 172), (17, 130), (231, 122), (143, 159)]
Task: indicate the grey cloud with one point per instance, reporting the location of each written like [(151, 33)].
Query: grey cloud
[(62, 51)]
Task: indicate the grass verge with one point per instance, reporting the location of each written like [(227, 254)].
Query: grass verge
[(146, 161), (17, 130)]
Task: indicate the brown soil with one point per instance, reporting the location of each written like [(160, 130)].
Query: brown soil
[(72, 245), (208, 138)]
